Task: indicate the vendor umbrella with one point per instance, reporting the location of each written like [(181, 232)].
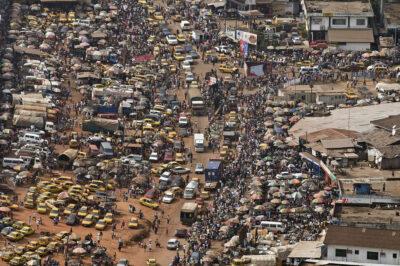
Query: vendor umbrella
[(275, 201), (243, 209), (5, 209), (296, 195), (295, 182), (256, 197), (260, 207), (317, 201), (63, 195), (79, 250)]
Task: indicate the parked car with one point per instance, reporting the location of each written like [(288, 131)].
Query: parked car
[(173, 244), (199, 168)]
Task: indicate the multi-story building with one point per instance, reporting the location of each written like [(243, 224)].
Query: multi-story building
[(346, 24)]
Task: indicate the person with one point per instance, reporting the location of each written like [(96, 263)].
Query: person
[(384, 187), (120, 243)]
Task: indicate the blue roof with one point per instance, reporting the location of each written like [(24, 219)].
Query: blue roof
[(213, 165)]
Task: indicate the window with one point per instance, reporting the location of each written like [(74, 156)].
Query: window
[(394, 255), (340, 252), (383, 254), (339, 21), (372, 255), (316, 20), (356, 252), (360, 22)]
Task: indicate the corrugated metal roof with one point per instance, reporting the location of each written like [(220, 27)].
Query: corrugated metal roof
[(363, 237)]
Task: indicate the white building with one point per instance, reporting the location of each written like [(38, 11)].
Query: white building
[(346, 24), (363, 245)]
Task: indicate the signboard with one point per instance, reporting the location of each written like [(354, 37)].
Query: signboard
[(244, 48), (248, 37)]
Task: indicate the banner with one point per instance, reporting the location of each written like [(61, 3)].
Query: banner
[(248, 37), (257, 69), (244, 48)]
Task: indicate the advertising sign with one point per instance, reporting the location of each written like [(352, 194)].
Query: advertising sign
[(248, 37)]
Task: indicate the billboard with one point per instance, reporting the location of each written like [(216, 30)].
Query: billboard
[(257, 69), (248, 37)]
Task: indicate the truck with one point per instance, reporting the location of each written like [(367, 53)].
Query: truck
[(196, 101), (189, 213), (106, 149), (213, 174), (199, 142)]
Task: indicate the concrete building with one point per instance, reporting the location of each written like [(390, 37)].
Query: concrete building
[(362, 245), (267, 7), (346, 24), (383, 143), (336, 147), (390, 14), (328, 94)]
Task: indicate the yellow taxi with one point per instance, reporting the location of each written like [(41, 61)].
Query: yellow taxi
[(148, 203), (54, 213), (179, 57), (151, 39), (88, 220), (158, 16), (227, 68), (41, 208), (143, 2), (181, 38), (7, 256), (69, 209), (222, 57), (44, 240), (151, 262), (33, 245), (172, 68), (108, 218), (27, 230), (17, 260), (83, 211), (133, 223), (15, 236), (179, 158), (101, 225)]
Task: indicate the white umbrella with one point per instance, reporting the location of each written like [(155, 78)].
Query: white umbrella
[(79, 250)]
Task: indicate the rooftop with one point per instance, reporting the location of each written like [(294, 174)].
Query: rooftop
[(376, 216), (355, 118), (330, 134), (362, 237), (337, 143), (333, 88), (380, 138), (391, 14), (387, 123), (334, 7), (307, 249)]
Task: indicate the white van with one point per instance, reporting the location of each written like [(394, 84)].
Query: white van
[(185, 25), (276, 227), (32, 138), (9, 162), (191, 190)]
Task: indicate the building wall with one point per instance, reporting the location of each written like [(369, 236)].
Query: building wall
[(355, 46), (392, 163), (331, 99), (384, 256), (353, 22), (319, 23)]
